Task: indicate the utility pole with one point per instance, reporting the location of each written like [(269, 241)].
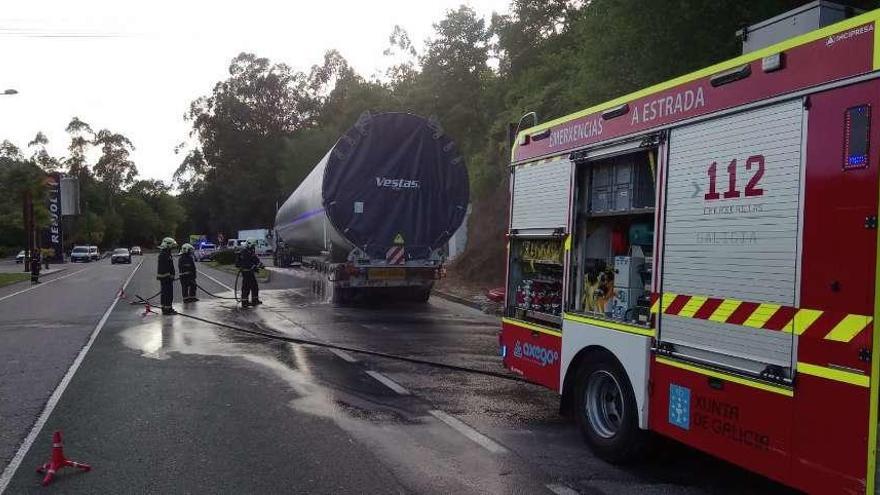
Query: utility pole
[(27, 205)]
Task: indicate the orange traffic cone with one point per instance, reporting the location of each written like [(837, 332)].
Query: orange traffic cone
[(58, 461), (148, 309)]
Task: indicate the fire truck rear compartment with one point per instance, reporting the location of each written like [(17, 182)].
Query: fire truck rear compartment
[(732, 229)]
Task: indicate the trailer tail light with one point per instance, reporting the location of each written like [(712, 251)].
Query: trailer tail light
[(352, 270), (856, 137)]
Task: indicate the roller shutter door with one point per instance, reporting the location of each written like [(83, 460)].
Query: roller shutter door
[(540, 195), (738, 242)]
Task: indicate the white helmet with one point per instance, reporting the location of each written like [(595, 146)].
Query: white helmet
[(186, 248), (168, 243)]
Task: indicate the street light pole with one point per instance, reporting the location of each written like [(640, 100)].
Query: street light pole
[(27, 204)]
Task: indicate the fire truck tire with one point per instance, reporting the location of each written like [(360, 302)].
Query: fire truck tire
[(606, 411)]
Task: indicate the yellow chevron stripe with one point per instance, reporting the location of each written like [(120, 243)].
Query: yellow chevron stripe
[(760, 315), (667, 299), (845, 330), (848, 328), (834, 374), (802, 320), (724, 310), (692, 306)]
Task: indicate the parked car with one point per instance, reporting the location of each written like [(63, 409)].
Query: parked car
[(80, 254), (205, 252), (136, 251), (19, 258), (235, 244), (120, 255), (94, 254)]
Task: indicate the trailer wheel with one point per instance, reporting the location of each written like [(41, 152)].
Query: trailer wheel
[(606, 411), (341, 295), (422, 295)]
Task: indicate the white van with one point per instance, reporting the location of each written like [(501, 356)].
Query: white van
[(261, 247), (234, 243)]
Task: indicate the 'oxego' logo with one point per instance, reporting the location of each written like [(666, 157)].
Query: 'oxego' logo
[(536, 353)]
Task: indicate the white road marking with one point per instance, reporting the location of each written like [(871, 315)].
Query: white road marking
[(462, 427), (217, 281), (344, 355), (43, 284), (9, 472), (560, 489), (388, 382)]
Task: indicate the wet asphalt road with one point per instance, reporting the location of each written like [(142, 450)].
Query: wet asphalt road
[(41, 331), (171, 404)]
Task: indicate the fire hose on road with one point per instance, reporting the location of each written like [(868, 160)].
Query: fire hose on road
[(317, 343), (326, 345), (145, 300)]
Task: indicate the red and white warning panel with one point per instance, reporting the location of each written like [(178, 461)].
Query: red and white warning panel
[(396, 255)]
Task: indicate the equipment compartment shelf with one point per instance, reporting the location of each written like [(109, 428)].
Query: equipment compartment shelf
[(542, 262), (535, 315), (635, 211)]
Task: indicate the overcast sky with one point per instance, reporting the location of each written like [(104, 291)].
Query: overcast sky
[(134, 67)]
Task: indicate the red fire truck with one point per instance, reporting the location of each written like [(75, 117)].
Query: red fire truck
[(699, 259)]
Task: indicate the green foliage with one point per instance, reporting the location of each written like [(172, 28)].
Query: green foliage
[(118, 210), (263, 129), (225, 257), (16, 177), (114, 168)]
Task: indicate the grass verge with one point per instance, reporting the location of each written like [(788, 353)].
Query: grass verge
[(12, 278)]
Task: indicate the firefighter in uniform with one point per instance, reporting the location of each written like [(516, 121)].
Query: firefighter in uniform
[(165, 275), (186, 264), (248, 263), (35, 266)]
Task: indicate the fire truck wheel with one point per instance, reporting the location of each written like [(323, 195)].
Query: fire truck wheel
[(606, 411)]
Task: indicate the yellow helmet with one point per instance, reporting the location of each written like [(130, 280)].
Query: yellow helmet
[(168, 243), (186, 248)]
